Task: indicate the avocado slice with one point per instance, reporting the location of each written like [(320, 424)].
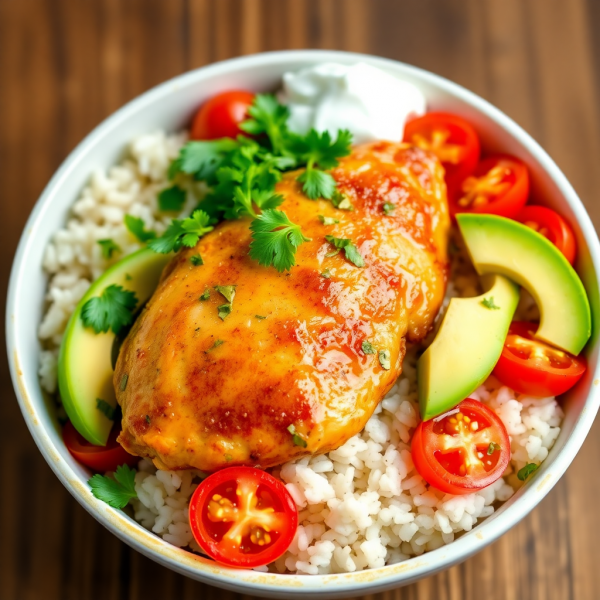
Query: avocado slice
[(467, 346), (500, 245), (85, 371)]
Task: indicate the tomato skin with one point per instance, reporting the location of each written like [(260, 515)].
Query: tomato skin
[(511, 192), (551, 225), (214, 543), (221, 115), (536, 377), (454, 131), (426, 447), (98, 458)]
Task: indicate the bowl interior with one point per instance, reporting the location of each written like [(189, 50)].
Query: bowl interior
[(169, 107)]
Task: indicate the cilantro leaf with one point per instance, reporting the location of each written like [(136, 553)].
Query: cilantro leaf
[(388, 208), (384, 359), (196, 260), (136, 226), (115, 492), (109, 247), (341, 201), (205, 295), (328, 220), (350, 250), (105, 408), (113, 310), (172, 198), (489, 303), (275, 240), (224, 311), (326, 274), (215, 345), (527, 470), (227, 291), (317, 184), (492, 448), (184, 232), (296, 438), (368, 348), (202, 159)]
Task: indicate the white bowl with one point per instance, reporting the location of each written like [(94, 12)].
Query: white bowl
[(169, 107)]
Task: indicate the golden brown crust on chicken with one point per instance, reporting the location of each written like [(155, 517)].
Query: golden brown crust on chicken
[(191, 402)]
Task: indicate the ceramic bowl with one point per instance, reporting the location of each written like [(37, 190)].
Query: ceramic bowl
[(169, 106)]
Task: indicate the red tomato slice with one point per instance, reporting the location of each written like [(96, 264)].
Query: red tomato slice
[(499, 186), (551, 225), (99, 458), (243, 517), (462, 451), (533, 367), (451, 139), (221, 115)]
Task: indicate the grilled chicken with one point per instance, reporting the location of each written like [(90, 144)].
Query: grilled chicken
[(286, 374)]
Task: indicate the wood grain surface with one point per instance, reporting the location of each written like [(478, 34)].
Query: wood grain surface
[(67, 64)]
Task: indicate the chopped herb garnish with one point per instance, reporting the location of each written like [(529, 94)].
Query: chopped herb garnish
[(123, 383), (326, 274), (489, 303), (350, 250), (296, 438), (527, 470), (105, 408), (113, 310), (184, 232), (136, 227), (115, 492), (384, 359), (172, 199), (205, 295), (259, 317), (341, 201), (108, 248), (492, 448), (148, 419), (275, 240), (196, 260), (224, 311), (227, 291), (328, 220), (368, 348), (228, 457), (215, 345), (388, 208)]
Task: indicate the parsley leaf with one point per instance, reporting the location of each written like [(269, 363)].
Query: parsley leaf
[(384, 359), (341, 201), (184, 232), (328, 220), (113, 310), (136, 226), (115, 492), (492, 448), (296, 438), (368, 348), (105, 408), (388, 208), (172, 198), (108, 248), (317, 184), (350, 250), (489, 303), (527, 470), (196, 260), (275, 240)]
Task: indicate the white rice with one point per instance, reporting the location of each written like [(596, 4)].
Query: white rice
[(361, 506)]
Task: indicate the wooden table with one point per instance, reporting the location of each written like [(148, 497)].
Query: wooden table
[(67, 64)]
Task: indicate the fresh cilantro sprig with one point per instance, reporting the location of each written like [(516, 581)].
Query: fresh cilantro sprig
[(115, 492), (113, 310), (108, 248), (350, 250), (182, 232), (275, 240), (171, 199), (137, 227)]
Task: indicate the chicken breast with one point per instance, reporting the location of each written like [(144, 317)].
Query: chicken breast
[(304, 357)]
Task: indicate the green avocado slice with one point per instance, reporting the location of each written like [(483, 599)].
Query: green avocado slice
[(467, 346), (500, 245), (85, 371)]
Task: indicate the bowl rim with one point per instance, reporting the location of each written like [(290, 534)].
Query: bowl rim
[(271, 584)]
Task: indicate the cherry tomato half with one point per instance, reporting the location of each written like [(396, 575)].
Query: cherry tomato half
[(99, 458), (533, 367), (462, 451), (451, 139), (243, 517), (551, 225), (221, 115), (499, 186)]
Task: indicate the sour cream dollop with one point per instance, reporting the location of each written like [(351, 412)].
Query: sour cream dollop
[(369, 102)]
